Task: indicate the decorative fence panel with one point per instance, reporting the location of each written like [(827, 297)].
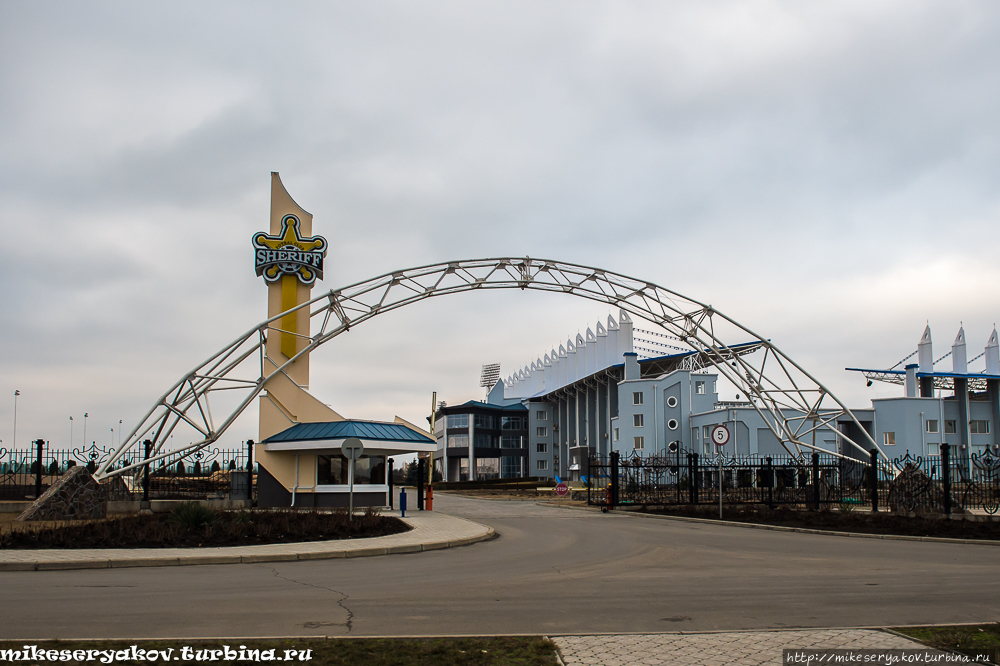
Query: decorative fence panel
[(207, 473), (906, 484)]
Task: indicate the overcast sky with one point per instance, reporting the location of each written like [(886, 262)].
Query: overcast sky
[(826, 173)]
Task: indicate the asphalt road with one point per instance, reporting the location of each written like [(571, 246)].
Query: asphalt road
[(551, 571)]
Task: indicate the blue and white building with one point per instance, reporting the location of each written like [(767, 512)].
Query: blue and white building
[(609, 391)]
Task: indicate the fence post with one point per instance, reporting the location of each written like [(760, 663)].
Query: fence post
[(873, 490), (815, 461), (694, 478), (946, 477), (679, 474), (250, 471), (769, 478), (40, 443), (388, 479), (145, 472), (614, 480), (420, 484)]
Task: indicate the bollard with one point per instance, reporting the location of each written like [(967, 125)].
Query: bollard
[(420, 485), (389, 481), (402, 502), (430, 498)]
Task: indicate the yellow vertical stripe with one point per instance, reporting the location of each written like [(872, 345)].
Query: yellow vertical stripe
[(289, 299)]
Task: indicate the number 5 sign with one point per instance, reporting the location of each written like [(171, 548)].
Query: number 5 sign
[(720, 435)]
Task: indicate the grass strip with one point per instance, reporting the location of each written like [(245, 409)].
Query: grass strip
[(967, 639), (474, 651)]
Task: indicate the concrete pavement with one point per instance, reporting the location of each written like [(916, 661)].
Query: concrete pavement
[(551, 571), (743, 648), (431, 531)]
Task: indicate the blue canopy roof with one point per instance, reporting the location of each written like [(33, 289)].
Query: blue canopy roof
[(369, 430)]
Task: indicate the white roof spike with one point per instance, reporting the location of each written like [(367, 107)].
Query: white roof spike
[(538, 363), (533, 366), (993, 354), (925, 351), (562, 350), (580, 341), (547, 360), (959, 360), (601, 331), (623, 317), (570, 347), (612, 324), (590, 336)]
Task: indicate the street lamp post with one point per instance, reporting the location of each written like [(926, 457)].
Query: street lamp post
[(16, 393), (85, 415), (119, 434), (71, 432)]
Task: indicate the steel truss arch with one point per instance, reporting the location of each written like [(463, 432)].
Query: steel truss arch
[(793, 404)]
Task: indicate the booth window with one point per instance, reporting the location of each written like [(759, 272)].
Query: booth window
[(889, 438), (333, 470)]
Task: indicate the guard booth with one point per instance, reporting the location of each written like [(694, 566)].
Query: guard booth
[(304, 466)]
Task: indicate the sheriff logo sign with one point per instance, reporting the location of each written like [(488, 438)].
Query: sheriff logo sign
[(289, 253)]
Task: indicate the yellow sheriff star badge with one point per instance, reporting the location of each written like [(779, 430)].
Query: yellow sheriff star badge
[(289, 253)]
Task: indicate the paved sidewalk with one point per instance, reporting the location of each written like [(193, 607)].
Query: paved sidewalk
[(743, 648), (431, 531)]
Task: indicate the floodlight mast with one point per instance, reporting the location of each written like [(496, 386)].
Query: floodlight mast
[(791, 401)]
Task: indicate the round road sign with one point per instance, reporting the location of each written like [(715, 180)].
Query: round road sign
[(561, 489), (720, 435), (352, 448)]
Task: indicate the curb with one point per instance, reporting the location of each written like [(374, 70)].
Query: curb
[(782, 528), (805, 530), (197, 559)]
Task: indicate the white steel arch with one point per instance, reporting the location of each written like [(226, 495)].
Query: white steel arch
[(792, 402)]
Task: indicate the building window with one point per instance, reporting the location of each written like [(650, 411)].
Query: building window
[(671, 401), (950, 427), (637, 443), (694, 435), (486, 441), (672, 424), (458, 441), (542, 431), (637, 398), (333, 470), (541, 448), (933, 449), (510, 442), (637, 420), (616, 435), (931, 425), (485, 421), (889, 438), (511, 423), (979, 427), (714, 390), (458, 421), (541, 465), (699, 388), (706, 432), (542, 415)]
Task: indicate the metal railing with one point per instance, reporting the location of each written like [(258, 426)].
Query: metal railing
[(206, 473), (902, 485)]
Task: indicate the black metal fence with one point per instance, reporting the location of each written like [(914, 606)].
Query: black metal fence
[(208, 473), (905, 484)]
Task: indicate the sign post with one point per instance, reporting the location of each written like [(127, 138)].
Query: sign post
[(720, 435), (352, 449)]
